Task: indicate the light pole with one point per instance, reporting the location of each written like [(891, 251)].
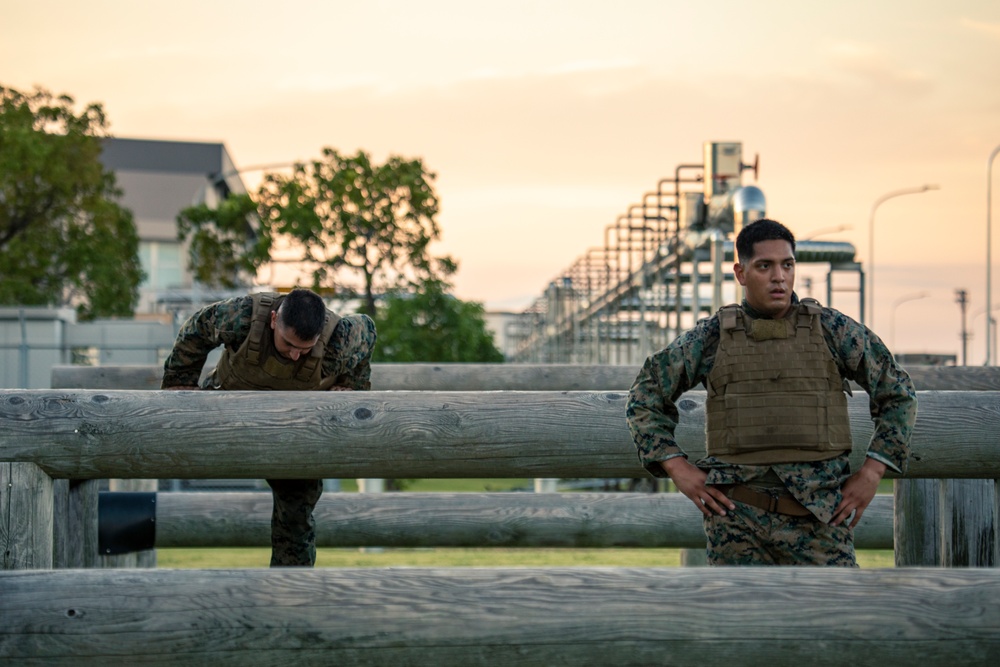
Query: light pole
[(990, 344), (892, 324), (825, 230), (871, 243), (989, 244)]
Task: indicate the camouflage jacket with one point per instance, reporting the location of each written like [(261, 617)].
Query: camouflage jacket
[(347, 356), (860, 356)]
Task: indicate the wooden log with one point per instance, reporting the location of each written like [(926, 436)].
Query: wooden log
[(82, 434), (501, 377), (25, 517), (662, 520), (482, 616)]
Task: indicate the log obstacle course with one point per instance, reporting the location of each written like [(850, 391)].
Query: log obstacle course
[(434, 616), (89, 434), (926, 515)]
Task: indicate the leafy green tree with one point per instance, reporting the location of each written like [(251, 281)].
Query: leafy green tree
[(433, 326), (430, 325), (227, 243), (366, 228), (64, 239)]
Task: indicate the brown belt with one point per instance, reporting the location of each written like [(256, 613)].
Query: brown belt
[(765, 501)]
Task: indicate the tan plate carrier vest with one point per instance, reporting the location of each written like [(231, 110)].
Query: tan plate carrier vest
[(775, 394), (257, 364)]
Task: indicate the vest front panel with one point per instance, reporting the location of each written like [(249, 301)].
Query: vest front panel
[(774, 393)]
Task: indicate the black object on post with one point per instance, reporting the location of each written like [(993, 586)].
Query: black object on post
[(126, 521)]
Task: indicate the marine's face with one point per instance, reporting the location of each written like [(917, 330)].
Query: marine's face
[(768, 278), (287, 343)]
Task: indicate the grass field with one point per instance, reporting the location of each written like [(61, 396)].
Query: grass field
[(487, 557)]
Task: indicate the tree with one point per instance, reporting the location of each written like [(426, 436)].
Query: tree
[(227, 243), (365, 227), (64, 239), (433, 326)]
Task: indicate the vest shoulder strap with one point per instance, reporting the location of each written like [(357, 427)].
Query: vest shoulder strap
[(263, 304), (809, 311), (731, 318), (319, 350)]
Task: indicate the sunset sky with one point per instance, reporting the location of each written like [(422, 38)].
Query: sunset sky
[(545, 120)]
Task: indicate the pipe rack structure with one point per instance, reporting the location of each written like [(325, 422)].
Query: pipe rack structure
[(660, 269)]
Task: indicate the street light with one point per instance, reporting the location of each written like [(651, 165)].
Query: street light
[(898, 302), (825, 230), (989, 244), (871, 243)]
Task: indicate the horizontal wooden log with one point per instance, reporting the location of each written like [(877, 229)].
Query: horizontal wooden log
[(83, 434), (494, 377), (396, 377), (482, 616), (665, 520)]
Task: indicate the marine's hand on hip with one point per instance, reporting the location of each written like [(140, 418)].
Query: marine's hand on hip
[(690, 480)]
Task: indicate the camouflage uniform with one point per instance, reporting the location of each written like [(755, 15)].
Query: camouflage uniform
[(347, 357), (749, 535)]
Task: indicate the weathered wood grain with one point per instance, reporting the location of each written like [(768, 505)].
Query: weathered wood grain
[(186, 519), (26, 506), (969, 523), (481, 616), (81, 434), (75, 524), (917, 525)]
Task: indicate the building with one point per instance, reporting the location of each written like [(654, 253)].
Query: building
[(158, 180)]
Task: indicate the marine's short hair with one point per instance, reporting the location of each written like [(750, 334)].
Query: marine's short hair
[(761, 230), (304, 311)]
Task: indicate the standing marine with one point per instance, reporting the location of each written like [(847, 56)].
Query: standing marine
[(775, 486)]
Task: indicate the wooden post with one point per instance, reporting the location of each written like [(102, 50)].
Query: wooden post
[(968, 523), (25, 517), (935, 523), (75, 524), (917, 526)]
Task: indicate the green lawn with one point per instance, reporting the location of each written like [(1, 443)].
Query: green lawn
[(487, 557)]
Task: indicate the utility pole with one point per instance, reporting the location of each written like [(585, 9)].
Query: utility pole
[(962, 299)]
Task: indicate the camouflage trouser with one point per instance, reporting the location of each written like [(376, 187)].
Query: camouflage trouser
[(752, 536), (293, 528)]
